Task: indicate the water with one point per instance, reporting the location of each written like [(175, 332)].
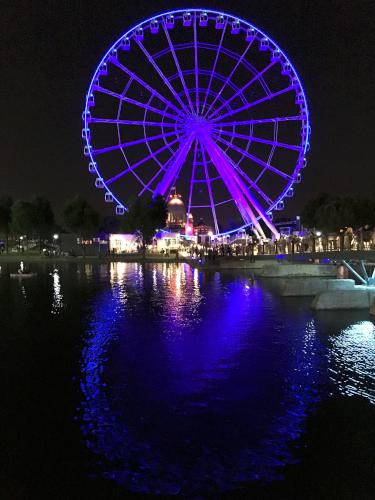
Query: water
[(164, 379)]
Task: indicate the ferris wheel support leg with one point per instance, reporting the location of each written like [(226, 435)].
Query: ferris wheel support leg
[(226, 172), (174, 169), (192, 175), (209, 187), (147, 186), (239, 191)]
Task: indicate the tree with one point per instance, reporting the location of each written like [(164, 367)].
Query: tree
[(145, 217), (5, 217), (365, 212), (44, 218), (23, 218), (332, 213), (79, 217), (335, 214), (309, 215), (110, 224)]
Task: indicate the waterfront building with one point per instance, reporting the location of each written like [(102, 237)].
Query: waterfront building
[(123, 243), (167, 242), (74, 244)]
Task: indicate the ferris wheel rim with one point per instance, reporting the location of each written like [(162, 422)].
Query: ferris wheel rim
[(145, 23)]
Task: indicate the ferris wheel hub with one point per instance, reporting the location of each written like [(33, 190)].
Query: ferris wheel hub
[(197, 125)]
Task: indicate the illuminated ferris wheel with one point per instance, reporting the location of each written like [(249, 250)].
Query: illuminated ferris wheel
[(207, 103)]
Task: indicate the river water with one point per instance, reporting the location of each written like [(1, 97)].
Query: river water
[(165, 379)]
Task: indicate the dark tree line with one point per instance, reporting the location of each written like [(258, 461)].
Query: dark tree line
[(144, 218), (35, 219), (330, 213)]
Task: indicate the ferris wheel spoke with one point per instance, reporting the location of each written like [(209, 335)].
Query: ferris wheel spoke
[(146, 86), (209, 187), (174, 169), (261, 141), (192, 175), (214, 66), (254, 158), (133, 122), (242, 89), (228, 79), (139, 104), (196, 63), (140, 162), (255, 103), (178, 67), (162, 75), (260, 120), (132, 143)]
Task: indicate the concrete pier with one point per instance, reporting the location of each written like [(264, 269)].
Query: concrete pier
[(361, 297), (307, 286), (267, 268), (294, 269), (229, 263)]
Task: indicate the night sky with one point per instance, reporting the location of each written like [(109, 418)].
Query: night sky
[(49, 50)]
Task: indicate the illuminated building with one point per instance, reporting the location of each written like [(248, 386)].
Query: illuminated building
[(202, 229), (123, 243), (176, 212), (178, 220)]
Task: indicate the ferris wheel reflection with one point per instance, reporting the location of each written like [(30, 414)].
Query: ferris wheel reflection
[(168, 347)]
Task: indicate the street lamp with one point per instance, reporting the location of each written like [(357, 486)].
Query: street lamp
[(21, 244), (55, 239)]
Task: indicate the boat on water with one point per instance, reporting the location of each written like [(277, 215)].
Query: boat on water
[(22, 275), (22, 272)]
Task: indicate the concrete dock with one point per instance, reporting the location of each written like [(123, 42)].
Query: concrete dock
[(289, 270), (309, 287), (360, 297)]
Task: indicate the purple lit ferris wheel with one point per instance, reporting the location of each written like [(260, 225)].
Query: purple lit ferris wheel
[(204, 102)]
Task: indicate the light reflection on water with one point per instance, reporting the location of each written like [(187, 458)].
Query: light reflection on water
[(352, 360), (57, 302), (190, 380), (194, 381)]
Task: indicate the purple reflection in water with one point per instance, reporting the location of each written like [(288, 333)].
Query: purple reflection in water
[(194, 381)]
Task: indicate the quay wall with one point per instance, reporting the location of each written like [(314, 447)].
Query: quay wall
[(310, 286), (361, 297)]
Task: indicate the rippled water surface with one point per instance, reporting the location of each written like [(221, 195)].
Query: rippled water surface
[(176, 380)]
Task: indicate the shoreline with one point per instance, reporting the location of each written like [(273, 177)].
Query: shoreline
[(219, 263), (8, 259), (296, 258)]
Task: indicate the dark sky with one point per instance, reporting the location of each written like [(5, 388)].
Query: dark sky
[(49, 49)]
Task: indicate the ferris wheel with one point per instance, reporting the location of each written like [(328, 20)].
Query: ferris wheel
[(206, 103)]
